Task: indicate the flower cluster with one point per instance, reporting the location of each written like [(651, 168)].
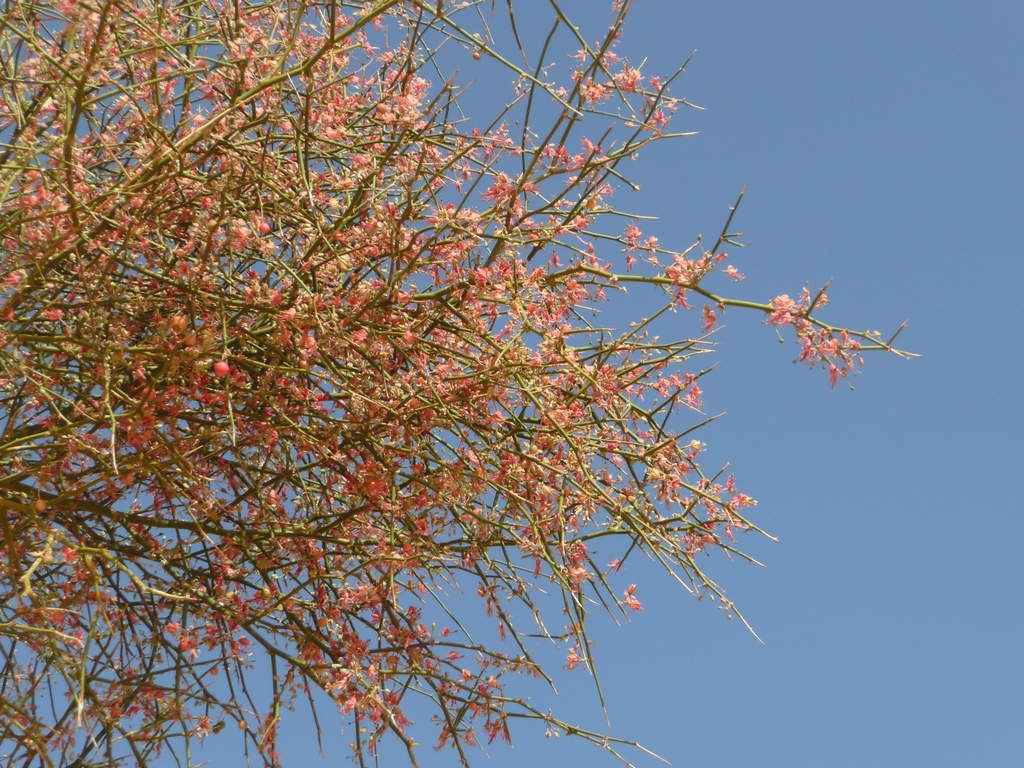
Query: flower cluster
[(834, 349)]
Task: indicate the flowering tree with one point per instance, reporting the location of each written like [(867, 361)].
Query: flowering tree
[(293, 353)]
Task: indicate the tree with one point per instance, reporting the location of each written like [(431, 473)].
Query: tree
[(293, 350)]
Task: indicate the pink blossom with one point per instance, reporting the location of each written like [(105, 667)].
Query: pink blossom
[(629, 598)]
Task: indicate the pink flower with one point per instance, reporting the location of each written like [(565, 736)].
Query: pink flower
[(629, 598), (594, 92), (573, 658), (710, 317), (783, 307)]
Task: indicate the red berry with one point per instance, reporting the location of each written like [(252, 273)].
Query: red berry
[(221, 368), (264, 228)]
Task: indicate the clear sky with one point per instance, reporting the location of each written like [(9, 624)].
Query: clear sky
[(881, 142)]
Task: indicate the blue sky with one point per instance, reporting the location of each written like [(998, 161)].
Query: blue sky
[(880, 142), (881, 145)]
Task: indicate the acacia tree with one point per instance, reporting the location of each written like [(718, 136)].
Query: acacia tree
[(294, 352)]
